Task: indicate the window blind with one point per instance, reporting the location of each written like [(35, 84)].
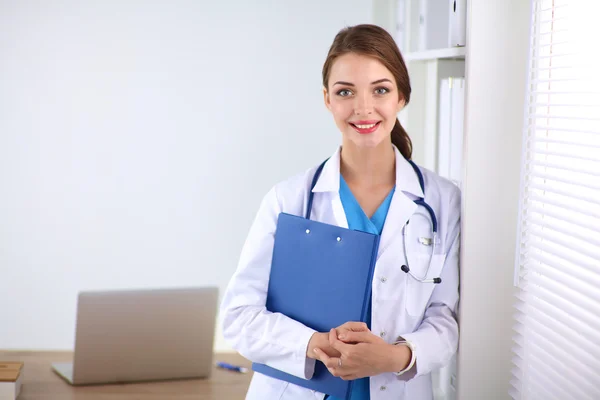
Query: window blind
[(556, 351)]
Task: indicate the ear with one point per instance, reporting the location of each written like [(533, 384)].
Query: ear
[(326, 99), (401, 105)]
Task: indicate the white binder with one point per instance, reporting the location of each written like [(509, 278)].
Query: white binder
[(457, 34), (450, 129), (445, 121), (442, 23), (400, 34), (456, 130), (434, 19)]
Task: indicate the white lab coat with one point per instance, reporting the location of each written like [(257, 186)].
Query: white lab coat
[(422, 313)]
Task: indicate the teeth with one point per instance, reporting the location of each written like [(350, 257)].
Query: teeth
[(365, 126)]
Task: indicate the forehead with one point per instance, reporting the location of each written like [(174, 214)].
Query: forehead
[(358, 69)]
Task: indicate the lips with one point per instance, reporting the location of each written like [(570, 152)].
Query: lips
[(365, 127)]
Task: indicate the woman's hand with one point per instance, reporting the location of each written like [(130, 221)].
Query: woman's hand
[(364, 354), (350, 327), (320, 340)]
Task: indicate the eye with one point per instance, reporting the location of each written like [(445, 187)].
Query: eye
[(382, 90), (344, 93)]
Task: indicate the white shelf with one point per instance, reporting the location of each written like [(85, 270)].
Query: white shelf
[(436, 54)]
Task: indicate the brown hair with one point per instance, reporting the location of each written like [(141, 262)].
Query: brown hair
[(376, 42)]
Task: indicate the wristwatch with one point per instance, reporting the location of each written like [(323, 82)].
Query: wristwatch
[(413, 357)]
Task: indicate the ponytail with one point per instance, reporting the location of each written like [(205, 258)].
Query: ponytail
[(401, 140)]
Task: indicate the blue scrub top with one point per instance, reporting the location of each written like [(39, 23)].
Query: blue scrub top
[(358, 220)]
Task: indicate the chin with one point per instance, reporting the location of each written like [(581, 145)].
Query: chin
[(367, 141)]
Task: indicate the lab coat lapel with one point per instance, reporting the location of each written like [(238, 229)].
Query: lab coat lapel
[(338, 210), (328, 186)]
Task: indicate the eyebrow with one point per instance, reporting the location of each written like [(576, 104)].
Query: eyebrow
[(372, 83)]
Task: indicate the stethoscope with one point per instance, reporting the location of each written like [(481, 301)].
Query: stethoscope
[(425, 241), (420, 201)]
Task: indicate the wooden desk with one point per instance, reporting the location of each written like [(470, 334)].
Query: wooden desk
[(41, 383)]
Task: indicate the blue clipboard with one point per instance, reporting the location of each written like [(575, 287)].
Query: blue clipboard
[(321, 276)]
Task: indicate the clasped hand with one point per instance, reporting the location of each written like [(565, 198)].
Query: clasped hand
[(351, 351)]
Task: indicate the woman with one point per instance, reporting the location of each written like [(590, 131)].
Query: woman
[(367, 184)]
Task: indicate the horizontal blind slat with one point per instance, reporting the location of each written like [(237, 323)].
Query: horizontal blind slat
[(589, 91), (567, 210), (548, 224), (595, 202), (557, 252), (565, 142), (580, 279), (550, 128), (539, 371), (546, 33), (534, 390), (553, 8), (537, 321), (542, 375), (557, 19), (564, 167), (553, 117), (573, 289), (517, 360), (588, 185), (595, 159), (560, 382), (572, 309), (562, 67), (564, 247), (535, 105), (535, 307)]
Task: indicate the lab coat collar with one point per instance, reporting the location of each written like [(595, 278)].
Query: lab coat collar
[(406, 178)]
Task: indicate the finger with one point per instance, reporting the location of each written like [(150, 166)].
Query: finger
[(321, 355), (332, 364), (354, 326), (335, 343), (349, 377), (332, 336), (357, 337)]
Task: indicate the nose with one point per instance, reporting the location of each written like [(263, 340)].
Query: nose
[(363, 105)]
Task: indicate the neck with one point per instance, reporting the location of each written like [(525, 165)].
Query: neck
[(371, 166)]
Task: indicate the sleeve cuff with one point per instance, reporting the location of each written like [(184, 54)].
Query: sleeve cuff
[(309, 363), (306, 365), (413, 358), (422, 363)]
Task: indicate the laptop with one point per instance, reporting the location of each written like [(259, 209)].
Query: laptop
[(142, 335)]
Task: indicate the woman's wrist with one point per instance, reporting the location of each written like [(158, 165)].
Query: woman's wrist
[(399, 358), (312, 343)]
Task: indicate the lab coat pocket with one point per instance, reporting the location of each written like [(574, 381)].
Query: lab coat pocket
[(419, 293)]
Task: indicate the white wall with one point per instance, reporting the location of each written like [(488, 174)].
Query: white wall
[(496, 77), (137, 139)]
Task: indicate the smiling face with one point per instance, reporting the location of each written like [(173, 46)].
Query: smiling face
[(364, 99)]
